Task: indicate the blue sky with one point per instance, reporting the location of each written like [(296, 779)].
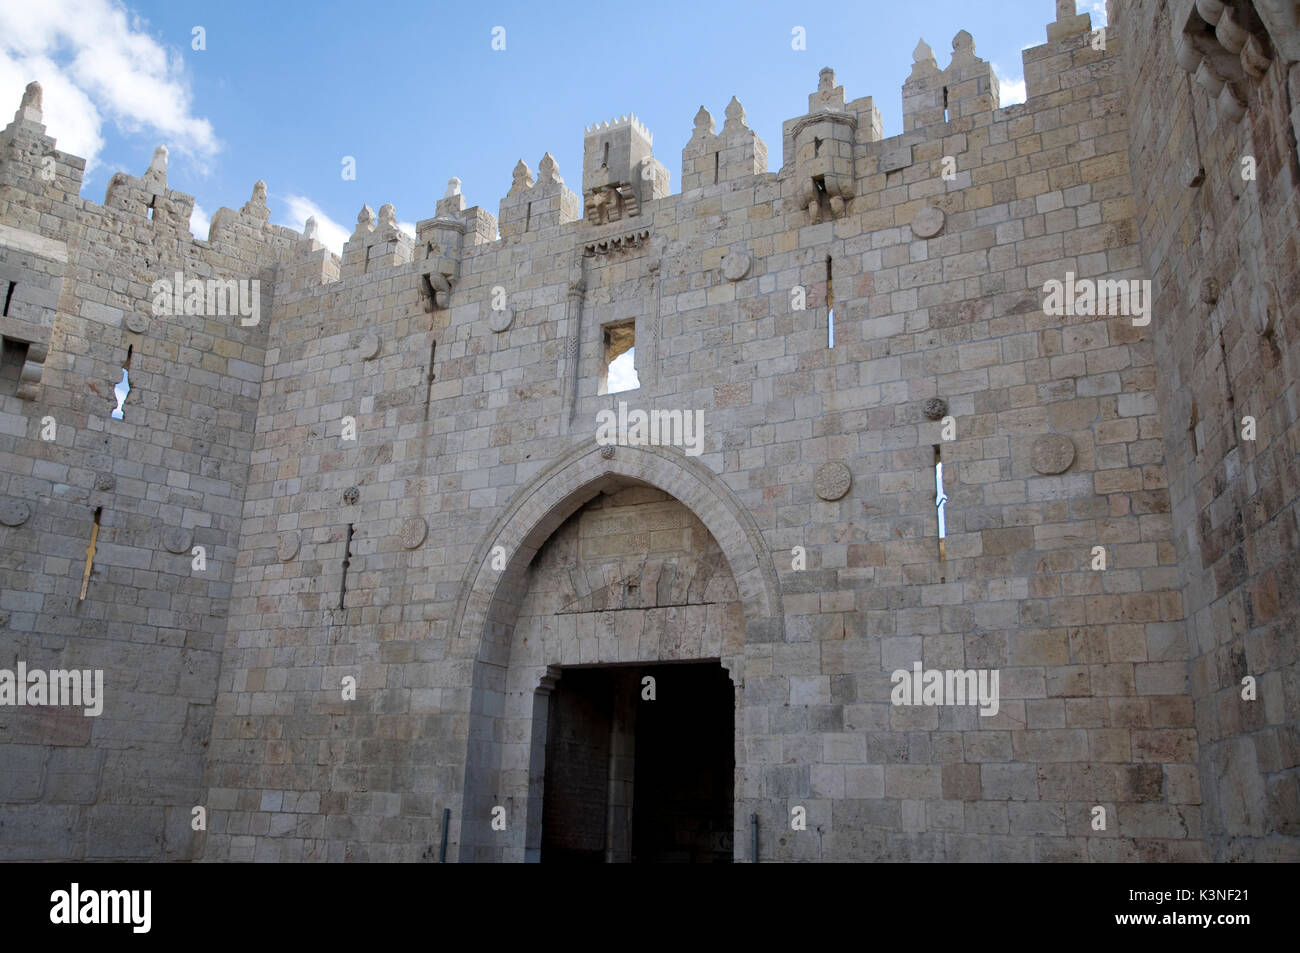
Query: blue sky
[(415, 93)]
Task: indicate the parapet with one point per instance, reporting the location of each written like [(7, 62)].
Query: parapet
[(967, 86), (710, 158), (533, 206)]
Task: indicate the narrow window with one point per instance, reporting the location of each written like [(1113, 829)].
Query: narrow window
[(347, 561), (717, 158), (528, 218), (940, 501), (428, 391), (830, 305), (151, 206), (605, 163), (945, 104), (90, 554), (619, 371), (123, 386), (1191, 429), (9, 296)]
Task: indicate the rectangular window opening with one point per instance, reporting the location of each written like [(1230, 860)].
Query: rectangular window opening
[(717, 158), (152, 207), (945, 104), (528, 217), (618, 370)]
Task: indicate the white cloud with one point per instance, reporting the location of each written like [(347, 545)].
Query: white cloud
[(1011, 89), (408, 227), (69, 114), (95, 62), (1098, 11), (200, 222), (328, 232)]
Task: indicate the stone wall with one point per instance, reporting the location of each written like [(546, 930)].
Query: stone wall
[(1221, 247), (168, 476)]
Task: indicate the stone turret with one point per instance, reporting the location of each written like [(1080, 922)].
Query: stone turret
[(619, 174), (821, 147)]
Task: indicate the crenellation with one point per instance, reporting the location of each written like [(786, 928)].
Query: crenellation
[(537, 207)]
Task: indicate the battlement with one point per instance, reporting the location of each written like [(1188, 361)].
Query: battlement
[(821, 155), (610, 125)]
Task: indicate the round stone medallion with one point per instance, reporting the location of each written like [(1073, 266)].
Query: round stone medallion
[(736, 266), (14, 512), (1052, 453), (607, 451), (137, 322), (287, 546), (936, 408), (105, 481), (351, 495), (832, 481), (501, 320), (413, 532), (368, 349), (176, 539), (928, 222)]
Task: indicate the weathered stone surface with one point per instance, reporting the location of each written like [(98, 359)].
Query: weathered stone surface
[(287, 546), (1052, 453), (14, 512), (928, 222), (176, 539), (412, 532), (736, 266), (832, 480)]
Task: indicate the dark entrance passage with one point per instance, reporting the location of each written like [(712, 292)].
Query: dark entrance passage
[(633, 779)]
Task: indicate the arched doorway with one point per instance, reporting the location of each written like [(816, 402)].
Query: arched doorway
[(509, 708)]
